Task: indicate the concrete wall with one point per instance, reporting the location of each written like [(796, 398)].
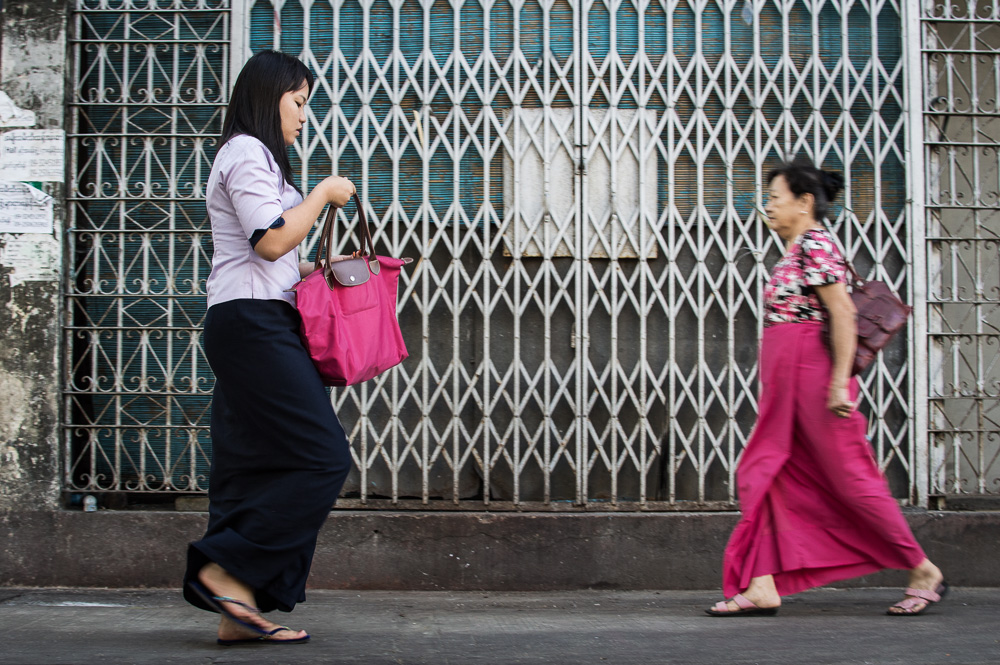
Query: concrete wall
[(427, 551), (32, 73)]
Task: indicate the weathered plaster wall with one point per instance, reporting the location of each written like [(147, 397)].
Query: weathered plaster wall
[(32, 73)]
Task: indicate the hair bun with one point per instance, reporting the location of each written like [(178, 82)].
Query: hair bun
[(833, 183)]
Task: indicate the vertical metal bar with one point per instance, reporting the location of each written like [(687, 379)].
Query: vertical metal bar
[(393, 214), (486, 366), (699, 250), (730, 250), (69, 253), (239, 39), (120, 282), (913, 43), (547, 368), (278, 6), (301, 145), (933, 264), (614, 267), (645, 226), (488, 214), (581, 293), (760, 231), (590, 442), (878, 398), (674, 274), (978, 305), (174, 192), (457, 226), (426, 98), (366, 441)]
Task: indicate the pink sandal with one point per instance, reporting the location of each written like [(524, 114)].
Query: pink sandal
[(916, 597), (747, 608)]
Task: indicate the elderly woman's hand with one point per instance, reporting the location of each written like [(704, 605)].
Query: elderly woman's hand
[(839, 400)]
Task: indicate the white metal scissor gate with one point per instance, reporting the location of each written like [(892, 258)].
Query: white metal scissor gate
[(579, 181)]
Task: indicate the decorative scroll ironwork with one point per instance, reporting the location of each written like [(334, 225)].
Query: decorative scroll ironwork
[(149, 86), (962, 134)]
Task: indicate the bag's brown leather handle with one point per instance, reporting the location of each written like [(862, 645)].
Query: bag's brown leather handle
[(326, 236)]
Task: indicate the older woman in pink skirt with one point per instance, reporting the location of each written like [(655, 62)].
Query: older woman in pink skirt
[(815, 507)]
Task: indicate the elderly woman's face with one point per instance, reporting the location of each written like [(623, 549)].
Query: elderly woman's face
[(293, 113), (784, 209)]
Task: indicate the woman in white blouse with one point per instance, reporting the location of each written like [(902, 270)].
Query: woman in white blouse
[(279, 453)]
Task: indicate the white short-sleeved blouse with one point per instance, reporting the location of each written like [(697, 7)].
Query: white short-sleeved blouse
[(246, 193)]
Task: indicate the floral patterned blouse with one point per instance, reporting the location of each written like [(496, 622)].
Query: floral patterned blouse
[(813, 260)]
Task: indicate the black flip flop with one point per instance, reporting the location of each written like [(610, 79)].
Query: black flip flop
[(216, 603), (264, 639)]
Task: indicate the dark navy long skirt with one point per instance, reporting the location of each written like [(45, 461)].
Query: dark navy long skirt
[(279, 453)]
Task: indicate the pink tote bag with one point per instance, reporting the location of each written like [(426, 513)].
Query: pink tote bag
[(348, 310)]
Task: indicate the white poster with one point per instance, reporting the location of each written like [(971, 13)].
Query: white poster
[(33, 155), (13, 116), (24, 209), (33, 258)]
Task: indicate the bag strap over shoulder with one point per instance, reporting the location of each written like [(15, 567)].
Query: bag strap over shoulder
[(856, 278)]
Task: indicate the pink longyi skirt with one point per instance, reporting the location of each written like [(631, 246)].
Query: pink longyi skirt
[(815, 506)]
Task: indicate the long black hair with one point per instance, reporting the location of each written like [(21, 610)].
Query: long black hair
[(254, 105), (804, 178)]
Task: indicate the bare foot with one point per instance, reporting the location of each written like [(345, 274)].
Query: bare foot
[(761, 593), (222, 584), (926, 577)]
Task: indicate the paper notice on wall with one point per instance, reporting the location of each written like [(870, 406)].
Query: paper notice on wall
[(31, 258), (13, 116), (24, 209), (33, 154)]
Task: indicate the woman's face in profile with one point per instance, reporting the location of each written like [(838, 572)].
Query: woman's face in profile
[(293, 112), (783, 208)]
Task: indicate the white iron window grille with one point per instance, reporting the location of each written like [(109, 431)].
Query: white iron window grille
[(542, 376), (961, 61), (149, 88)]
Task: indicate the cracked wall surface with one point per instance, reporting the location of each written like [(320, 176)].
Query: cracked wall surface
[(32, 77)]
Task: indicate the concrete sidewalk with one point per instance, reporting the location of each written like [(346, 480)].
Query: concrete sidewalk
[(56, 626)]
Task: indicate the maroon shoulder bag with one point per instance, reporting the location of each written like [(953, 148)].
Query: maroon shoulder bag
[(881, 314)]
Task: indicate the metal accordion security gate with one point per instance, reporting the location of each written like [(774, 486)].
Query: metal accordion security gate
[(581, 185)]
